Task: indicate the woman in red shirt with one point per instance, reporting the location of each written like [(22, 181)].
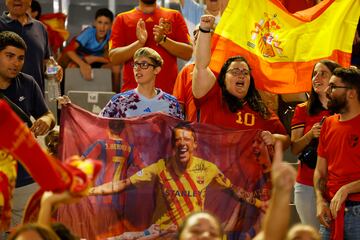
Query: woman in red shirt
[(305, 130), (231, 100)]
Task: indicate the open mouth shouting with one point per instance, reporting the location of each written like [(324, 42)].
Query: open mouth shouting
[(183, 151)]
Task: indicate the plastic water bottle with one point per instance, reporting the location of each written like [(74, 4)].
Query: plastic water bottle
[(53, 87)]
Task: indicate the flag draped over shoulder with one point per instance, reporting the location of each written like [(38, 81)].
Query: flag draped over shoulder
[(282, 47), (140, 142)]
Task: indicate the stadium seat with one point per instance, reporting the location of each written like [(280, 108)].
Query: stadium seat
[(101, 81), (90, 100)]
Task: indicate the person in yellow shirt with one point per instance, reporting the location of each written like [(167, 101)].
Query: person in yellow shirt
[(181, 181)]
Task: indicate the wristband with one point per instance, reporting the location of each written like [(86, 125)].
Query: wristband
[(146, 232), (204, 30), (163, 39)]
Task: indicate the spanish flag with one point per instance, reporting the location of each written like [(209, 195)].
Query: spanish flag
[(55, 25), (282, 47)]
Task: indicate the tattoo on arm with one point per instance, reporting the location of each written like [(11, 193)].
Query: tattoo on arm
[(321, 185)]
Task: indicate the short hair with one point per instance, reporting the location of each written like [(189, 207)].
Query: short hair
[(44, 232), (116, 126), (150, 53), (8, 38), (63, 232), (104, 12), (183, 125), (349, 76)]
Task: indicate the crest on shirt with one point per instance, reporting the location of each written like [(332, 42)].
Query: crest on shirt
[(200, 179), (167, 26), (353, 140)]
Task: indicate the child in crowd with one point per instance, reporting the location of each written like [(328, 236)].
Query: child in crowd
[(90, 48)]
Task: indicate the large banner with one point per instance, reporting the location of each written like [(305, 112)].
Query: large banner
[(282, 47), (229, 174)]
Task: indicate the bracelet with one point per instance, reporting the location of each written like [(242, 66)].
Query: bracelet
[(163, 39), (204, 30)]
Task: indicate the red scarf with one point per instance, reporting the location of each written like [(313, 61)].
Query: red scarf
[(337, 226)]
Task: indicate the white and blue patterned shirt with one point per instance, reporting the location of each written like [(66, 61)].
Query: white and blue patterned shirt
[(131, 103)]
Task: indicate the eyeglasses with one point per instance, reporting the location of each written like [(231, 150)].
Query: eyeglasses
[(332, 87), (142, 65), (238, 72)]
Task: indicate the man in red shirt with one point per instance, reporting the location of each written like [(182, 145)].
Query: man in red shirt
[(161, 29), (337, 173)]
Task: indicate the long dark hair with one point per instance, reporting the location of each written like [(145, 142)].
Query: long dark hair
[(314, 105), (252, 97)]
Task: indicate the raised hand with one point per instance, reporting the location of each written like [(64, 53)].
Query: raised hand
[(159, 31), (268, 138), (282, 174), (141, 32), (207, 22)]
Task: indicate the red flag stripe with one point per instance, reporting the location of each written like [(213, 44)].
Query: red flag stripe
[(176, 202), (193, 186), (181, 188), (280, 83)]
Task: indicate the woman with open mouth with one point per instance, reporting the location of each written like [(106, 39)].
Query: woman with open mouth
[(231, 100)]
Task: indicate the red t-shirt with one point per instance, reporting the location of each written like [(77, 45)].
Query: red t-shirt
[(183, 91), (124, 33), (214, 110), (339, 144), (302, 119)]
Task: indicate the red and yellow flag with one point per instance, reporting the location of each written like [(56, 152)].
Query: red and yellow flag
[(55, 25), (75, 175), (282, 47)]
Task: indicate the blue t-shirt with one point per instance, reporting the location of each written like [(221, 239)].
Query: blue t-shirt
[(26, 94), (89, 44), (192, 11)]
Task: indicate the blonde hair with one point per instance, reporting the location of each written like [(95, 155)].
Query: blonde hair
[(299, 229), (150, 53)]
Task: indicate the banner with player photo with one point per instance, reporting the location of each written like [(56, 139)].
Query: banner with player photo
[(143, 187)]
